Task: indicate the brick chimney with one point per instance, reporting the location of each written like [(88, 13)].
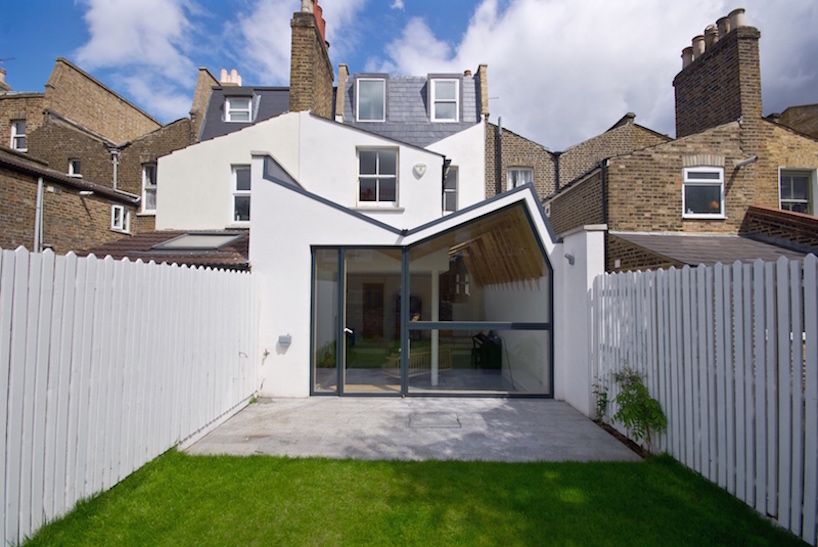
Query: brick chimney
[(483, 79), (311, 72), (720, 80)]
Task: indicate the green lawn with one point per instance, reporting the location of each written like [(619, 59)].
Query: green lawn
[(187, 500)]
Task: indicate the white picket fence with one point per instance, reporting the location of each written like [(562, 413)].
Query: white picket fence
[(106, 364), (731, 353)]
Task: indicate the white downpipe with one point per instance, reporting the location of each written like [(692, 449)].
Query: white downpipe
[(38, 218)]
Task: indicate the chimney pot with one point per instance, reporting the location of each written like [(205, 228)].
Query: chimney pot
[(223, 76), (711, 36), (687, 56), (737, 18), (306, 6), (698, 46), (467, 72), (723, 24)]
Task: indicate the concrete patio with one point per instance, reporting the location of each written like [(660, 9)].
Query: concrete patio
[(512, 430)]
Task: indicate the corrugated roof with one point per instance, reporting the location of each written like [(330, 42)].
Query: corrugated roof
[(270, 102), (696, 249), (233, 255)]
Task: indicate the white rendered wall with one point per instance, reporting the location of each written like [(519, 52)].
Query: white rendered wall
[(467, 150), (195, 186), (572, 311)]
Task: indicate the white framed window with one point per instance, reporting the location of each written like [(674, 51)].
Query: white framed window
[(18, 135), (238, 109), (445, 100), (149, 188), (370, 104), (795, 190), (518, 176), (378, 176), (450, 190), (241, 193), (120, 218), (703, 193), (74, 167)]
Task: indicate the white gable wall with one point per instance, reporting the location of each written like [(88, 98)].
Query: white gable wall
[(467, 150)]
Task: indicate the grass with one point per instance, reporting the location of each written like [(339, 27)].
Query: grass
[(192, 500)]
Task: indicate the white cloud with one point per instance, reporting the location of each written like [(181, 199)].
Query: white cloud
[(262, 36), (565, 70), (146, 44), (398, 4)]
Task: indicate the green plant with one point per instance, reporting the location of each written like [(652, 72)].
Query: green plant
[(638, 411), (601, 398)]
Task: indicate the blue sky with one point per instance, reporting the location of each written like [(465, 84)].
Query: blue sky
[(560, 71)]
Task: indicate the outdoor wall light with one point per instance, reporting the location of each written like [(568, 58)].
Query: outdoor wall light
[(569, 258), (285, 340)]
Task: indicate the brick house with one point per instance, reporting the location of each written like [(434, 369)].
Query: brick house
[(725, 159), (82, 128)]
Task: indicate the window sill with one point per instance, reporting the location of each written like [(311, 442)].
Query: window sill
[(242, 224), (74, 176), (124, 232), (381, 209), (704, 217), (146, 214)]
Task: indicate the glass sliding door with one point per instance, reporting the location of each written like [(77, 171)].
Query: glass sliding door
[(485, 313), (325, 324), (372, 328)]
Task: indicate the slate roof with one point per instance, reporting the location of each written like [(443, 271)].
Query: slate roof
[(708, 249), (233, 255), (269, 102), (407, 112)]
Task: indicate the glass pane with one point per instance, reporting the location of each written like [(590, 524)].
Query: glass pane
[(449, 201), (800, 187), (239, 116), (796, 207), (445, 111), (387, 162), (325, 321), (704, 175), (150, 200), (19, 143), (371, 99), (198, 241), (241, 209), (508, 361), (368, 189), (19, 127), (242, 179), (450, 182), (372, 348), (491, 269), (150, 175), (388, 189), (368, 162), (445, 90), (702, 199)]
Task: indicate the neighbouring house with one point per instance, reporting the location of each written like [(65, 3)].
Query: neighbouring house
[(698, 187), (802, 118), (84, 129), (44, 208), (377, 271)]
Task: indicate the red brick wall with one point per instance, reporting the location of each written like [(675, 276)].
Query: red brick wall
[(632, 257), (56, 142), (311, 73), (781, 227), (27, 107), (578, 206)]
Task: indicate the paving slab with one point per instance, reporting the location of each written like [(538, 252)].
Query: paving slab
[(512, 430)]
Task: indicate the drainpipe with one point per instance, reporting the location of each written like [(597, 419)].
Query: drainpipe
[(38, 218), (604, 166), (115, 162), (557, 156), (498, 157)]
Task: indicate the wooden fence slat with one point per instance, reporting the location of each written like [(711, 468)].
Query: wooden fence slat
[(808, 531), (784, 383), (738, 367), (760, 377), (6, 308), (797, 368), (712, 399), (721, 374), (772, 391), (749, 404), (687, 364), (702, 422)]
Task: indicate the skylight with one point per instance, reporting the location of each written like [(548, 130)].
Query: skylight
[(199, 242)]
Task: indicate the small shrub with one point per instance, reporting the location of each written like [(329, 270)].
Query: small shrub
[(601, 397), (638, 411)]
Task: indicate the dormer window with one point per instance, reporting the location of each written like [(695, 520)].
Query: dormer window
[(371, 99), (238, 109), (445, 100)]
